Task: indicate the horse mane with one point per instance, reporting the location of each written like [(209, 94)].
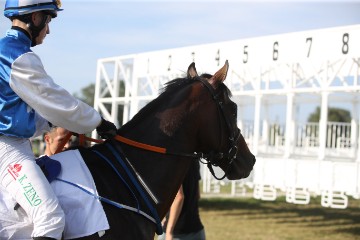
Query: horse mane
[(174, 85), (170, 89)]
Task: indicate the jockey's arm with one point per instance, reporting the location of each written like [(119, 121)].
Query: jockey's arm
[(34, 86)]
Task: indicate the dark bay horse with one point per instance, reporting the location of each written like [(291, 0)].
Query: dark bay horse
[(192, 119), (192, 115)]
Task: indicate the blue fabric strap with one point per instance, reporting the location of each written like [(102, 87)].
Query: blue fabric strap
[(119, 175), (153, 211), (106, 200)]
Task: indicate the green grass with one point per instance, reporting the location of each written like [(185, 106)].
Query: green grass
[(251, 219)]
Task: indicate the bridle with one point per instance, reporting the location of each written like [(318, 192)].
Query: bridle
[(214, 159)]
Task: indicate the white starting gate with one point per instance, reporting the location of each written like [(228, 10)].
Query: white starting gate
[(276, 81)]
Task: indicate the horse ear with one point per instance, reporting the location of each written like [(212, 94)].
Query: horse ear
[(191, 72), (220, 75)]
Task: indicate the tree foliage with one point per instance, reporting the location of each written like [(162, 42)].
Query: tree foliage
[(334, 115), (87, 94)]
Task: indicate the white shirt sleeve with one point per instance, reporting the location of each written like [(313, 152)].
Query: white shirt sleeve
[(34, 86)]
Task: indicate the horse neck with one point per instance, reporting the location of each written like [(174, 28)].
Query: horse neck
[(162, 173), (175, 127)]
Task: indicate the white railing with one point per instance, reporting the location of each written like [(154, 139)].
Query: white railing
[(303, 174)]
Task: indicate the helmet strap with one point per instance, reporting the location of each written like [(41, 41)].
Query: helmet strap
[(35, 31)]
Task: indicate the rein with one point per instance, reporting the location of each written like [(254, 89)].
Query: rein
[(82, 139), (156, 149), (210, 158), (132, 143)]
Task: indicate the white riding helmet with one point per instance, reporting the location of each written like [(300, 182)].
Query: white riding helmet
[(15, 8)]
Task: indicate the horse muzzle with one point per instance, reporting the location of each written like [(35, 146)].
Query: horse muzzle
[(240, 170)]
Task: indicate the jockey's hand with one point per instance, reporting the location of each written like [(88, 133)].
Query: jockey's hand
[(106, 129)]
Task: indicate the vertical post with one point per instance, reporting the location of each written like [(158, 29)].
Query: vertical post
[(240, 122), (133, 98), (357, 123), (257, 124), (265, 131), (323, 124), (257, 111), (358, 139), (289, 132), (114, 104), (354, 129), (97, 91)]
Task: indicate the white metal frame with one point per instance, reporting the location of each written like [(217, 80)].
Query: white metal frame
[(312, 67)]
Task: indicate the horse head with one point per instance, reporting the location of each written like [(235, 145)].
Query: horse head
[(222, 140)]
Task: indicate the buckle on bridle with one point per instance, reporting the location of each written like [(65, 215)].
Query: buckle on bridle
[(232, 152)]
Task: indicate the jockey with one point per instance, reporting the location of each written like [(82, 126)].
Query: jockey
[(29, 102)]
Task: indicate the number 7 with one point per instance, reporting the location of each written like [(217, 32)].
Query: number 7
[(309, 40)]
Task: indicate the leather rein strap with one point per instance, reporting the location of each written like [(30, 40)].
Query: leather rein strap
[(129, 142), (82, 139), (140, 145)]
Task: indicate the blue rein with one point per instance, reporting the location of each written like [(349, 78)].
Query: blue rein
[(155, 217), (134, 181)]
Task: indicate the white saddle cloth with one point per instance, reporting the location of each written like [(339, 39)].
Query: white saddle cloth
[(84, 215)]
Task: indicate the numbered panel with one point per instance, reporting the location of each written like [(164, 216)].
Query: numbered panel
[(309, 46)]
